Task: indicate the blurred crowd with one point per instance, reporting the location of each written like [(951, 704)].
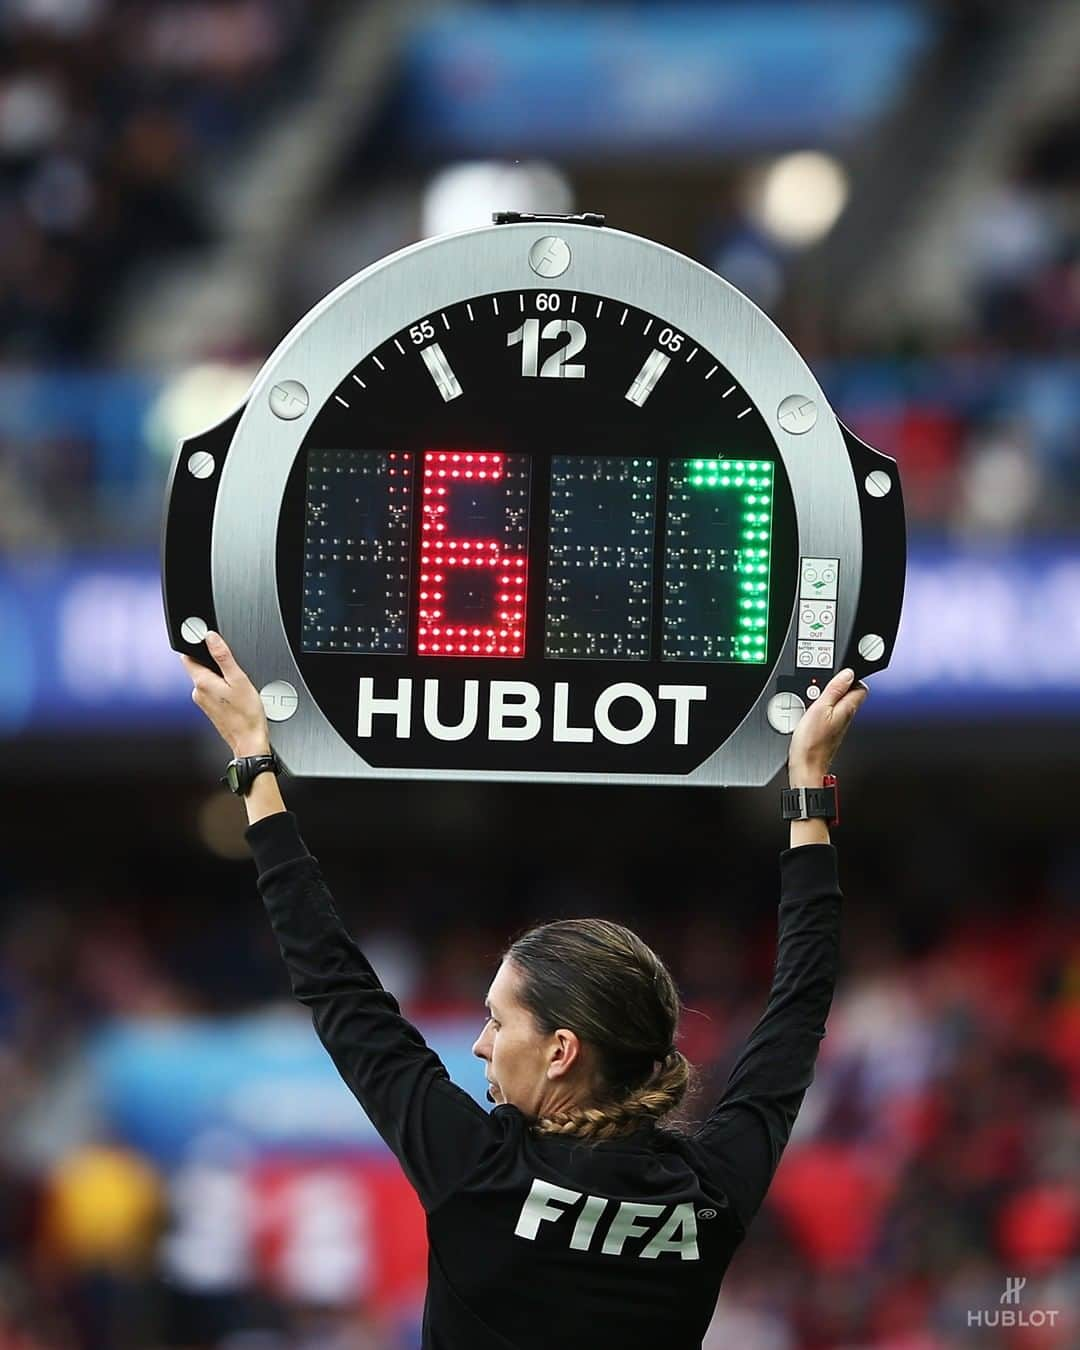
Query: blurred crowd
[(114, 117), (113, 113), (937, 1154), (984, 428), (1023, 245)]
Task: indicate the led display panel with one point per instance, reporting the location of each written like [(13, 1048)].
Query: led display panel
[(357, 551), (600, 555), (472, 592), (716, 560)]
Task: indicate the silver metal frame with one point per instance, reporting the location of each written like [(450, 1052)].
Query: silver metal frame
[(371, 307)]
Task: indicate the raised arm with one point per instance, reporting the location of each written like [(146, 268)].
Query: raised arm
[(747, 1131), (437, 1131)]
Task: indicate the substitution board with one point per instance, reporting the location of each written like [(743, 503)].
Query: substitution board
[(538, 501)]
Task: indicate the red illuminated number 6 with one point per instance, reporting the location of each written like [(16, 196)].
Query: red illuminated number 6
[(449, 562)]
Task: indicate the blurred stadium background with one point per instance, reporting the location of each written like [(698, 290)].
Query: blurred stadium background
[(898, 184)]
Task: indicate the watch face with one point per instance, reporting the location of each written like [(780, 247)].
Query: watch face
[(232, 775), (552, 489)]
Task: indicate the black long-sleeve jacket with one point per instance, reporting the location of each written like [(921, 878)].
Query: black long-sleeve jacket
[(539, 1241)]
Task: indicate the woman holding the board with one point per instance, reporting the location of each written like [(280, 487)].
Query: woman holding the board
[(568, 1214)]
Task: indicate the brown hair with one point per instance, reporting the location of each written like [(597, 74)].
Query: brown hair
[(601, 981)]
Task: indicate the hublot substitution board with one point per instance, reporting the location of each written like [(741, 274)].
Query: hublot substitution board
[(540, 501)]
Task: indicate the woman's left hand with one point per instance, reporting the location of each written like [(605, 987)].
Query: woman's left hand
[(229, 700)]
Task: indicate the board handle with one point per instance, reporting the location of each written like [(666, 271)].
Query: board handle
[(884, 568), (190, 496)]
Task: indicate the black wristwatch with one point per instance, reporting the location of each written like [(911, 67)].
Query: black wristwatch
[(812, 803), (241, 773)]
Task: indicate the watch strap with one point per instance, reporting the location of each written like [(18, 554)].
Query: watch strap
[(812, 803), (247, 768)]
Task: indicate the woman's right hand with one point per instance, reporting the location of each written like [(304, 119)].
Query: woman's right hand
[(822, 727), (229, 700)]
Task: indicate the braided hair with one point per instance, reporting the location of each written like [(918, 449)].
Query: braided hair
[(601, 981)]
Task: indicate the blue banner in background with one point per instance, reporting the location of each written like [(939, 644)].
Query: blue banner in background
[(693, 78), (984, 631), (264, 1080), (85, 648)]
